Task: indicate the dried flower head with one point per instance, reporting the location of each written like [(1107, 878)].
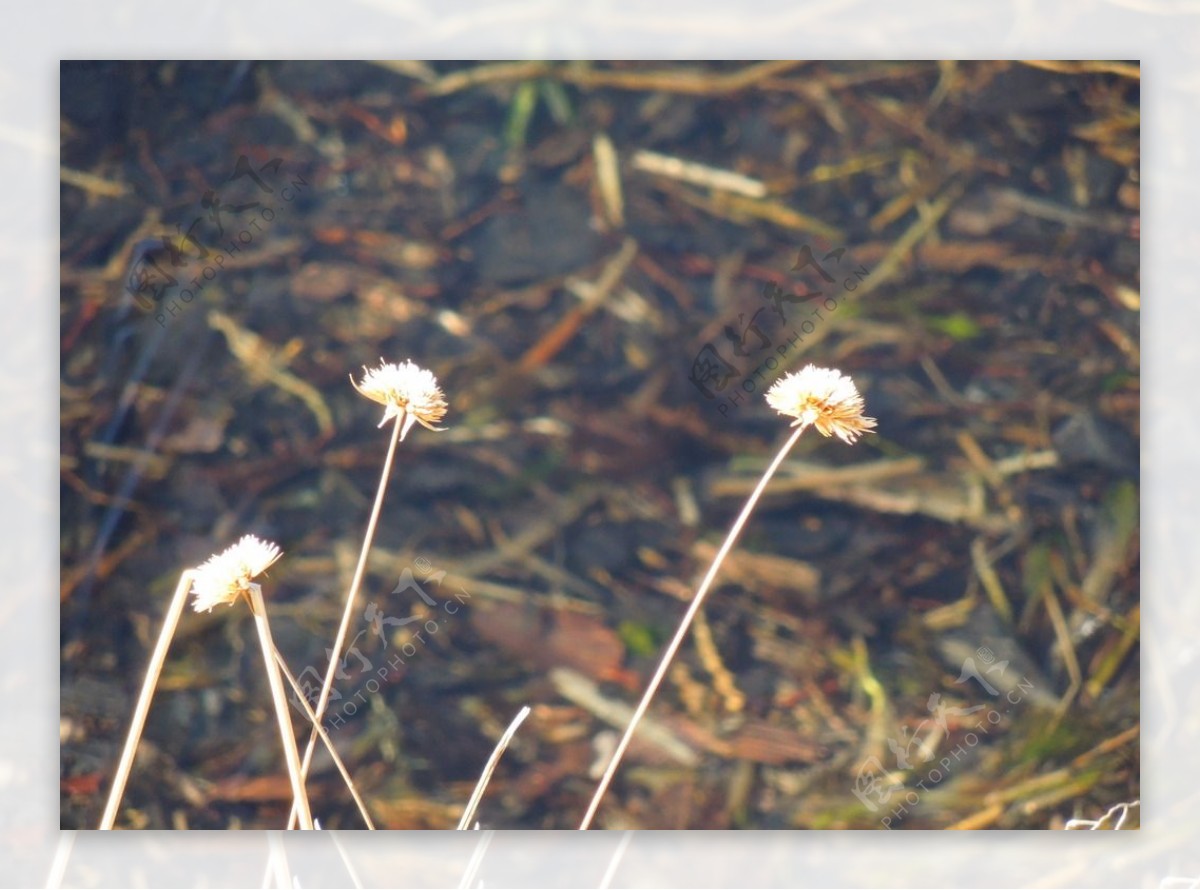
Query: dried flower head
[(228, 575), (405, 391), (824, 398)]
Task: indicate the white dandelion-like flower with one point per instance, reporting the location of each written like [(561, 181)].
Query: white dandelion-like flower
[(823, 398), (230, 574), (405, 390)]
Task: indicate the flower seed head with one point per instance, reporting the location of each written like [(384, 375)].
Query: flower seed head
[(406, 391), (228, 575), (824, 398)]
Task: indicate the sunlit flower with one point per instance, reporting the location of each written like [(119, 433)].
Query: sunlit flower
[(228, 575), (405, 391), (823, 398)]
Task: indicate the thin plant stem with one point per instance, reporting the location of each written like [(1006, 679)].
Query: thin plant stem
[(684, 625), (149, 684), (294, 683), (464, 824), (286, 735), (336, 654)]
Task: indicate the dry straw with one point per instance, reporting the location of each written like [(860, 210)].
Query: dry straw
[(822, 398)]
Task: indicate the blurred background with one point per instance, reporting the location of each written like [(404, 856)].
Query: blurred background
[(606, 265)]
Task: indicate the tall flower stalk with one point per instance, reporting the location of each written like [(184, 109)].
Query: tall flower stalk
[(409, 394), (822, 398)]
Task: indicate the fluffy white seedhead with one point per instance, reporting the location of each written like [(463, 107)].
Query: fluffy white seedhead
[(823, 398), (406, 391), (229, 574)]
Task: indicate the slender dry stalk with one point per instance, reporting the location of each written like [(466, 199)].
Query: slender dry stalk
[(817, 397), (159, 656), (308, 711), (351, 597), (464, 824), (681, 631), (410, 394), (286, 736)]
